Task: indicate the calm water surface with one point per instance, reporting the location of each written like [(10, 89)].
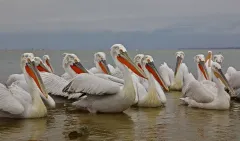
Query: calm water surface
[(174, 122)]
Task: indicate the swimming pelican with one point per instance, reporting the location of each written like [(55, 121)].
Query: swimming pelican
[(103, 95), (138, 61), (218, 58), (14, 77), (17, 103), (201, 67), (155, 96), (201, 95), (101, 64), (53, 83), (208, 63), (180, 70), (46, 60)]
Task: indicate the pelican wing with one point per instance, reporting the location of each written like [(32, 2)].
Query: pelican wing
[(111, 78), (66, 76), (117, 73), (234, 80), (8, 103), (199, 93), (166, 73), (94, 70), (92, 85), (14, 77), (54, 84)]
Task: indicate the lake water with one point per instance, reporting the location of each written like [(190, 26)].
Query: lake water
[(173, 122)]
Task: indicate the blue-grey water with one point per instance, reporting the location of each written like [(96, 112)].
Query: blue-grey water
[(174, 122)]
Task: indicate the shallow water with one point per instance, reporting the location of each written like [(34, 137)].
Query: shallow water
[(173, 122)]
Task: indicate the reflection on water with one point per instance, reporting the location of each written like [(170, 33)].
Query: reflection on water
[(173, 122)]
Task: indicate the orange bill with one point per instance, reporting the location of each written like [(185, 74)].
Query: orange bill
[(103, 65), (49, 65), (78, 68), (34, 74), (202, 67), (152, 69), (124, 59)]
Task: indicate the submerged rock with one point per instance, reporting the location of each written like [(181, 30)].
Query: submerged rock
[(82, 132)]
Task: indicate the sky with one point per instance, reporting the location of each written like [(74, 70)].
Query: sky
[(135, 23)]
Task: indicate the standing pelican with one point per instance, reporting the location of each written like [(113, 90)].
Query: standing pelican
[(17, 103), (201, 96), (104, 95), (180, 70), (46, 60), (101, 64), (155, 96)]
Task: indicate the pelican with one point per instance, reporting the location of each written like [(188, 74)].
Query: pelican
[(17, 103), (218, 58), (103, 95), (180, 70), (208, 63), (101, 64), (72, 66), (155, 96), (14, 77), (202, 96), (201, 67), (138, 61), (46, 60), (53, 83)]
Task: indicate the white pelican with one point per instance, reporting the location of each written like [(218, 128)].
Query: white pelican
[(155, 96), (138, 61), (17, 103), (46, 60), (167, 74), (201, 67), (218, 58), (101, 64), (72, 66), (208, 63), (14, 77), (103, 95), (202, 95), (180, 70), (53, 83)]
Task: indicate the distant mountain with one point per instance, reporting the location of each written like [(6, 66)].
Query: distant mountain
[(160, 39)]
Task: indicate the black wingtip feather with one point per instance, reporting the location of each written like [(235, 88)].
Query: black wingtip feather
[(66, 88)]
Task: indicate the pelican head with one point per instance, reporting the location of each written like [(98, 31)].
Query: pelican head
[(31, 73), (180, 56), (40, 65), (46, 60), (150, 69), (121, 58), (72, 64), (217, 71), (138, 60), (209, 56), (200, 60), (101, 63), (218, 58)]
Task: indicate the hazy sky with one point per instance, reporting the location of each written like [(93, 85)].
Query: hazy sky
[(178, 16)]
